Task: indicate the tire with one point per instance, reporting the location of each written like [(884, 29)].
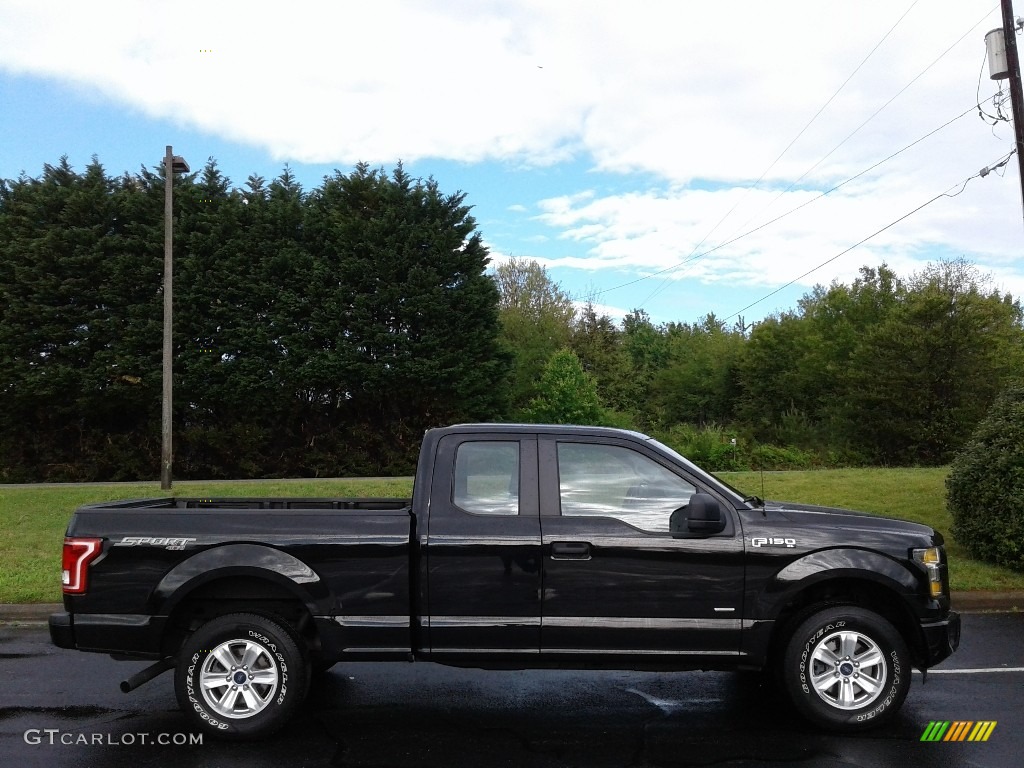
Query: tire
[(846, 669), (241, 676)]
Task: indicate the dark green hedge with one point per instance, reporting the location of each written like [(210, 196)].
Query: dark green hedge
[(986, 484)]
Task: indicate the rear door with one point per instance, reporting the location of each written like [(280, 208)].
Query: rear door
[(616, 581), (482, 547)]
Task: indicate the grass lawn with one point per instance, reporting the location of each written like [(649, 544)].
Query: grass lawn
[(32, 520), (918, 495)]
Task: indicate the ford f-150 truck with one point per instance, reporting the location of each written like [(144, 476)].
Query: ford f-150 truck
[(523, 546)]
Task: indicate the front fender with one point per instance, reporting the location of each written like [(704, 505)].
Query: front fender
[(233, 560), (824, 565)]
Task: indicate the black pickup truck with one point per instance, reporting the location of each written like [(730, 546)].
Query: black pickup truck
[(523, 546)]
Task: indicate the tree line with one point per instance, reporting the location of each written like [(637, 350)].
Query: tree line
[(315, 333), (320, 332), (884, 371)]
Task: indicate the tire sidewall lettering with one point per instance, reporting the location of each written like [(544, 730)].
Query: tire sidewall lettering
[(809, 646), (278, 640), (803, 646), (197, 705)]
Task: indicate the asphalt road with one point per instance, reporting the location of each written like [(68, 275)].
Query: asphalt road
[(63, 708)]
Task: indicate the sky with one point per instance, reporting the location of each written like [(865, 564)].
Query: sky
[(677, 157)]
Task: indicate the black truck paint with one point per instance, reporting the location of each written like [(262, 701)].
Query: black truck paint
[(523, 546)]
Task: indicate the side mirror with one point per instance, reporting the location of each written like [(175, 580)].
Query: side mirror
[(702, 515)]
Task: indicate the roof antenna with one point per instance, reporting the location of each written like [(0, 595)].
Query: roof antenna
[(760, 463)]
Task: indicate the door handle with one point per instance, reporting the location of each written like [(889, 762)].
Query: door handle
[(570, 550)]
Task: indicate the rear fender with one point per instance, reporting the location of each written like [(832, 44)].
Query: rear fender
[(247, 560)]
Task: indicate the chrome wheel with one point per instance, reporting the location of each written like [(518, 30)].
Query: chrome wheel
[(238, 679), (847, 670)]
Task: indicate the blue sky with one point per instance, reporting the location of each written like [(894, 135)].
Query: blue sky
[(640, 151)]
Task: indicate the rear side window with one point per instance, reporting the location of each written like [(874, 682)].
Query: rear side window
[(487, 478)]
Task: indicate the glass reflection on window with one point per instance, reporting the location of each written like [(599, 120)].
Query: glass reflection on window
[(614, 481), (487, 478)]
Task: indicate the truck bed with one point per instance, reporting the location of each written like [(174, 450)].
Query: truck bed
[(239, 502)]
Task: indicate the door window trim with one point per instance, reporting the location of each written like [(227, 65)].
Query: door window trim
[(550, 492)]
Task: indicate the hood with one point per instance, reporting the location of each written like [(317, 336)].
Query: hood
[(833, 517)]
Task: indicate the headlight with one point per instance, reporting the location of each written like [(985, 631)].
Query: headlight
[(931, 559)]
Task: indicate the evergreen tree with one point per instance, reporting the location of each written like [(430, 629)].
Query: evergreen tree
[(404, 324), (62, 319)]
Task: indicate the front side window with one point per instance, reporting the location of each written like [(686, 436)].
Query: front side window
[(487, 478), (613, 481)]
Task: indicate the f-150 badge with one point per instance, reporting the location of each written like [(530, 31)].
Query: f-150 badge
[(760, 541), (154, 541)]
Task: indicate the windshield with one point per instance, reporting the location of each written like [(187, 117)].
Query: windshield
[(738, 494)]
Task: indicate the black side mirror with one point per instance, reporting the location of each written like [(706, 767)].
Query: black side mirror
[(702, 515)]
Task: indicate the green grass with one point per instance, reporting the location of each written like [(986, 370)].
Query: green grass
[(918, 495), (32, 520)]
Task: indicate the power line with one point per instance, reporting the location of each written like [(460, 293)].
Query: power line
[(984, 172), (825, 157), (791, 143), (878, 111), (839, 89), (691, 258)]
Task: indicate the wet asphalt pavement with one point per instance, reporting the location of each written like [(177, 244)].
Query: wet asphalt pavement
[(63, 708)]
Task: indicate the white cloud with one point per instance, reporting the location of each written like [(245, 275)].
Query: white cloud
[(671, 232), (651, 86), (615, 313), (704, 97)]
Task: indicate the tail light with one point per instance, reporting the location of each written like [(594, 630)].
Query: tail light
[(78, 553)]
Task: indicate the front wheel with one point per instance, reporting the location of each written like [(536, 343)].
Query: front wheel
[(846, 668), (241, 676)]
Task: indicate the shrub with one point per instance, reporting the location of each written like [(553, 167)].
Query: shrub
[(986, 484), (566, 393), (709, 447), (775, 458)]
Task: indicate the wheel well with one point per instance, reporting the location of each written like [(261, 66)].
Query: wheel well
[(238, 594), (863, 594)]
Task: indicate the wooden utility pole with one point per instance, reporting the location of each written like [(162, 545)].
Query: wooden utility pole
[(1016, 93), (166, 450), (172, 164)]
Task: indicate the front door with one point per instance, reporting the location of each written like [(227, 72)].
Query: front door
[(616, 580)]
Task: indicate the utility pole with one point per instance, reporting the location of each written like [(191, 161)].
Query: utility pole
[(172, 163), (1016, 93)]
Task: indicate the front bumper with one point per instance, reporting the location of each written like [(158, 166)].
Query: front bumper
[(941, 638)]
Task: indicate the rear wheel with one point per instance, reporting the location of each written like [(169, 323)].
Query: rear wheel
[(846, 668), (241, 676)]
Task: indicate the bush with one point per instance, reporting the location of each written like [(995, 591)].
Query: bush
[(775, 458), (709, 447), (712, 448), (985, 486), (566, 393)]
